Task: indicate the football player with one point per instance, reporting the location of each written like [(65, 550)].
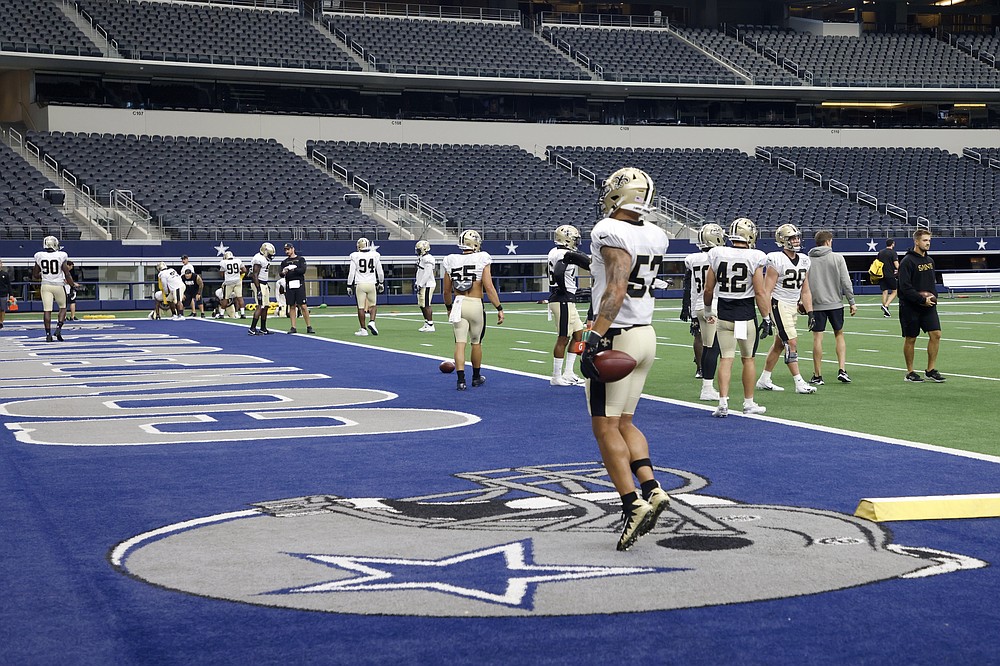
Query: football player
[(159, 303), (706, 342), (259, 266), (363, 281), (563, 263), (733, 285), (424, 284), (232, 284), (787, 283), (193, 286), (626, 255), (50, 269), (466, 277), (172, 286), (6, 297)]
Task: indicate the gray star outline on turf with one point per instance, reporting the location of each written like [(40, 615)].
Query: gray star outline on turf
[(502, 574)]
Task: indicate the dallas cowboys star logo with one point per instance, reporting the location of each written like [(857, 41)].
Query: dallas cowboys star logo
[(511, 248), (220, 249), (872, 245), (501, 574), (981, 243)]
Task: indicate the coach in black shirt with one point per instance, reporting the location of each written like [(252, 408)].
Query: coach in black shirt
[(293, 269), (918, 305)]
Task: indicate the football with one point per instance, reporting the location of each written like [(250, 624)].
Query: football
[(447, 366), (928, 294), (614, 365)]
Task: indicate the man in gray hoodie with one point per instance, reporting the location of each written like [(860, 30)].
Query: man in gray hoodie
[(829, 282)]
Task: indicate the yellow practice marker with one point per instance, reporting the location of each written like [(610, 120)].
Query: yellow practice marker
[(932, 507), (102, 316)]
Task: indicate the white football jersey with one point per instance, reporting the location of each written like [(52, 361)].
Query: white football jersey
[(366, 268), (465, 269), (646, 243), (231, 270), (791, 275), (697, 264), (187, 268), (170, 280), (50, 264), (425, 271), (569, 276), (734, 268), (260, 264)]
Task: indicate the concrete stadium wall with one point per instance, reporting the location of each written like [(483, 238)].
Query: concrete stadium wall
[(294, 131)]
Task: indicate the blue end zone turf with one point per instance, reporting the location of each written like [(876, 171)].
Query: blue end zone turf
[(406, 521)]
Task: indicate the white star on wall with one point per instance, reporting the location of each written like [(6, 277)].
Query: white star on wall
[(872, 245), (981, 243), (511, 248), (220, 249)]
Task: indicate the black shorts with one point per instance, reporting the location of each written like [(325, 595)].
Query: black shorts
[(190, 293), (835, 317), (296, 296), (4, 302), (913, 319), (888, 283)]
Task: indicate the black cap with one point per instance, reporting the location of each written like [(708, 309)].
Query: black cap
[(289, 245), (183, 257)]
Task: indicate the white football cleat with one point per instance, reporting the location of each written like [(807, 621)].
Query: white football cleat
[(560, 381), (709, 393), (722, 411), (574, 380), (804, 388), (361, 333), (754, 408), (768, 386)]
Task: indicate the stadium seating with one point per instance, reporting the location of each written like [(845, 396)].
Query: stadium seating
[(642, 54), (218, 35), (723, 184), (24, 212), (466, 48), (765, 72), (956, 196), (502, 190), (889, 60), (212, 188), (33, 26)]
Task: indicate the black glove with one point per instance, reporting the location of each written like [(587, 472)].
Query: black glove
[(811, 320), (765, 328), (594, 344), (685, 314), (380, 287), (695, 328)]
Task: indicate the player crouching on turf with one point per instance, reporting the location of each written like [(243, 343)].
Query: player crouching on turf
[(159, 303), (786, 280)]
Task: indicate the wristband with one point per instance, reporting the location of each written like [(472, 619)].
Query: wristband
[(499, 308)]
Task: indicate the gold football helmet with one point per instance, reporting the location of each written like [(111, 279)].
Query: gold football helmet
[(743, 230), (567, 236), (470, 240), (267, 250), (789, 237), (710, 235), (422, 247), (162, 266), (364, 245), (629, 188), (50, 243)]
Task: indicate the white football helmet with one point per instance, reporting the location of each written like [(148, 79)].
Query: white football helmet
[(227, 255), (743, 230), (422, 247), (470, 240), (788, 237), (218, 293), (629, 188), (158, 297), (50, 243), (364, 245), (267, 250), (710, 235), (567, 236), (162, 266)]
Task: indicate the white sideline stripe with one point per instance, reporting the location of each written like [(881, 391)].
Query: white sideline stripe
[(795, 424)]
